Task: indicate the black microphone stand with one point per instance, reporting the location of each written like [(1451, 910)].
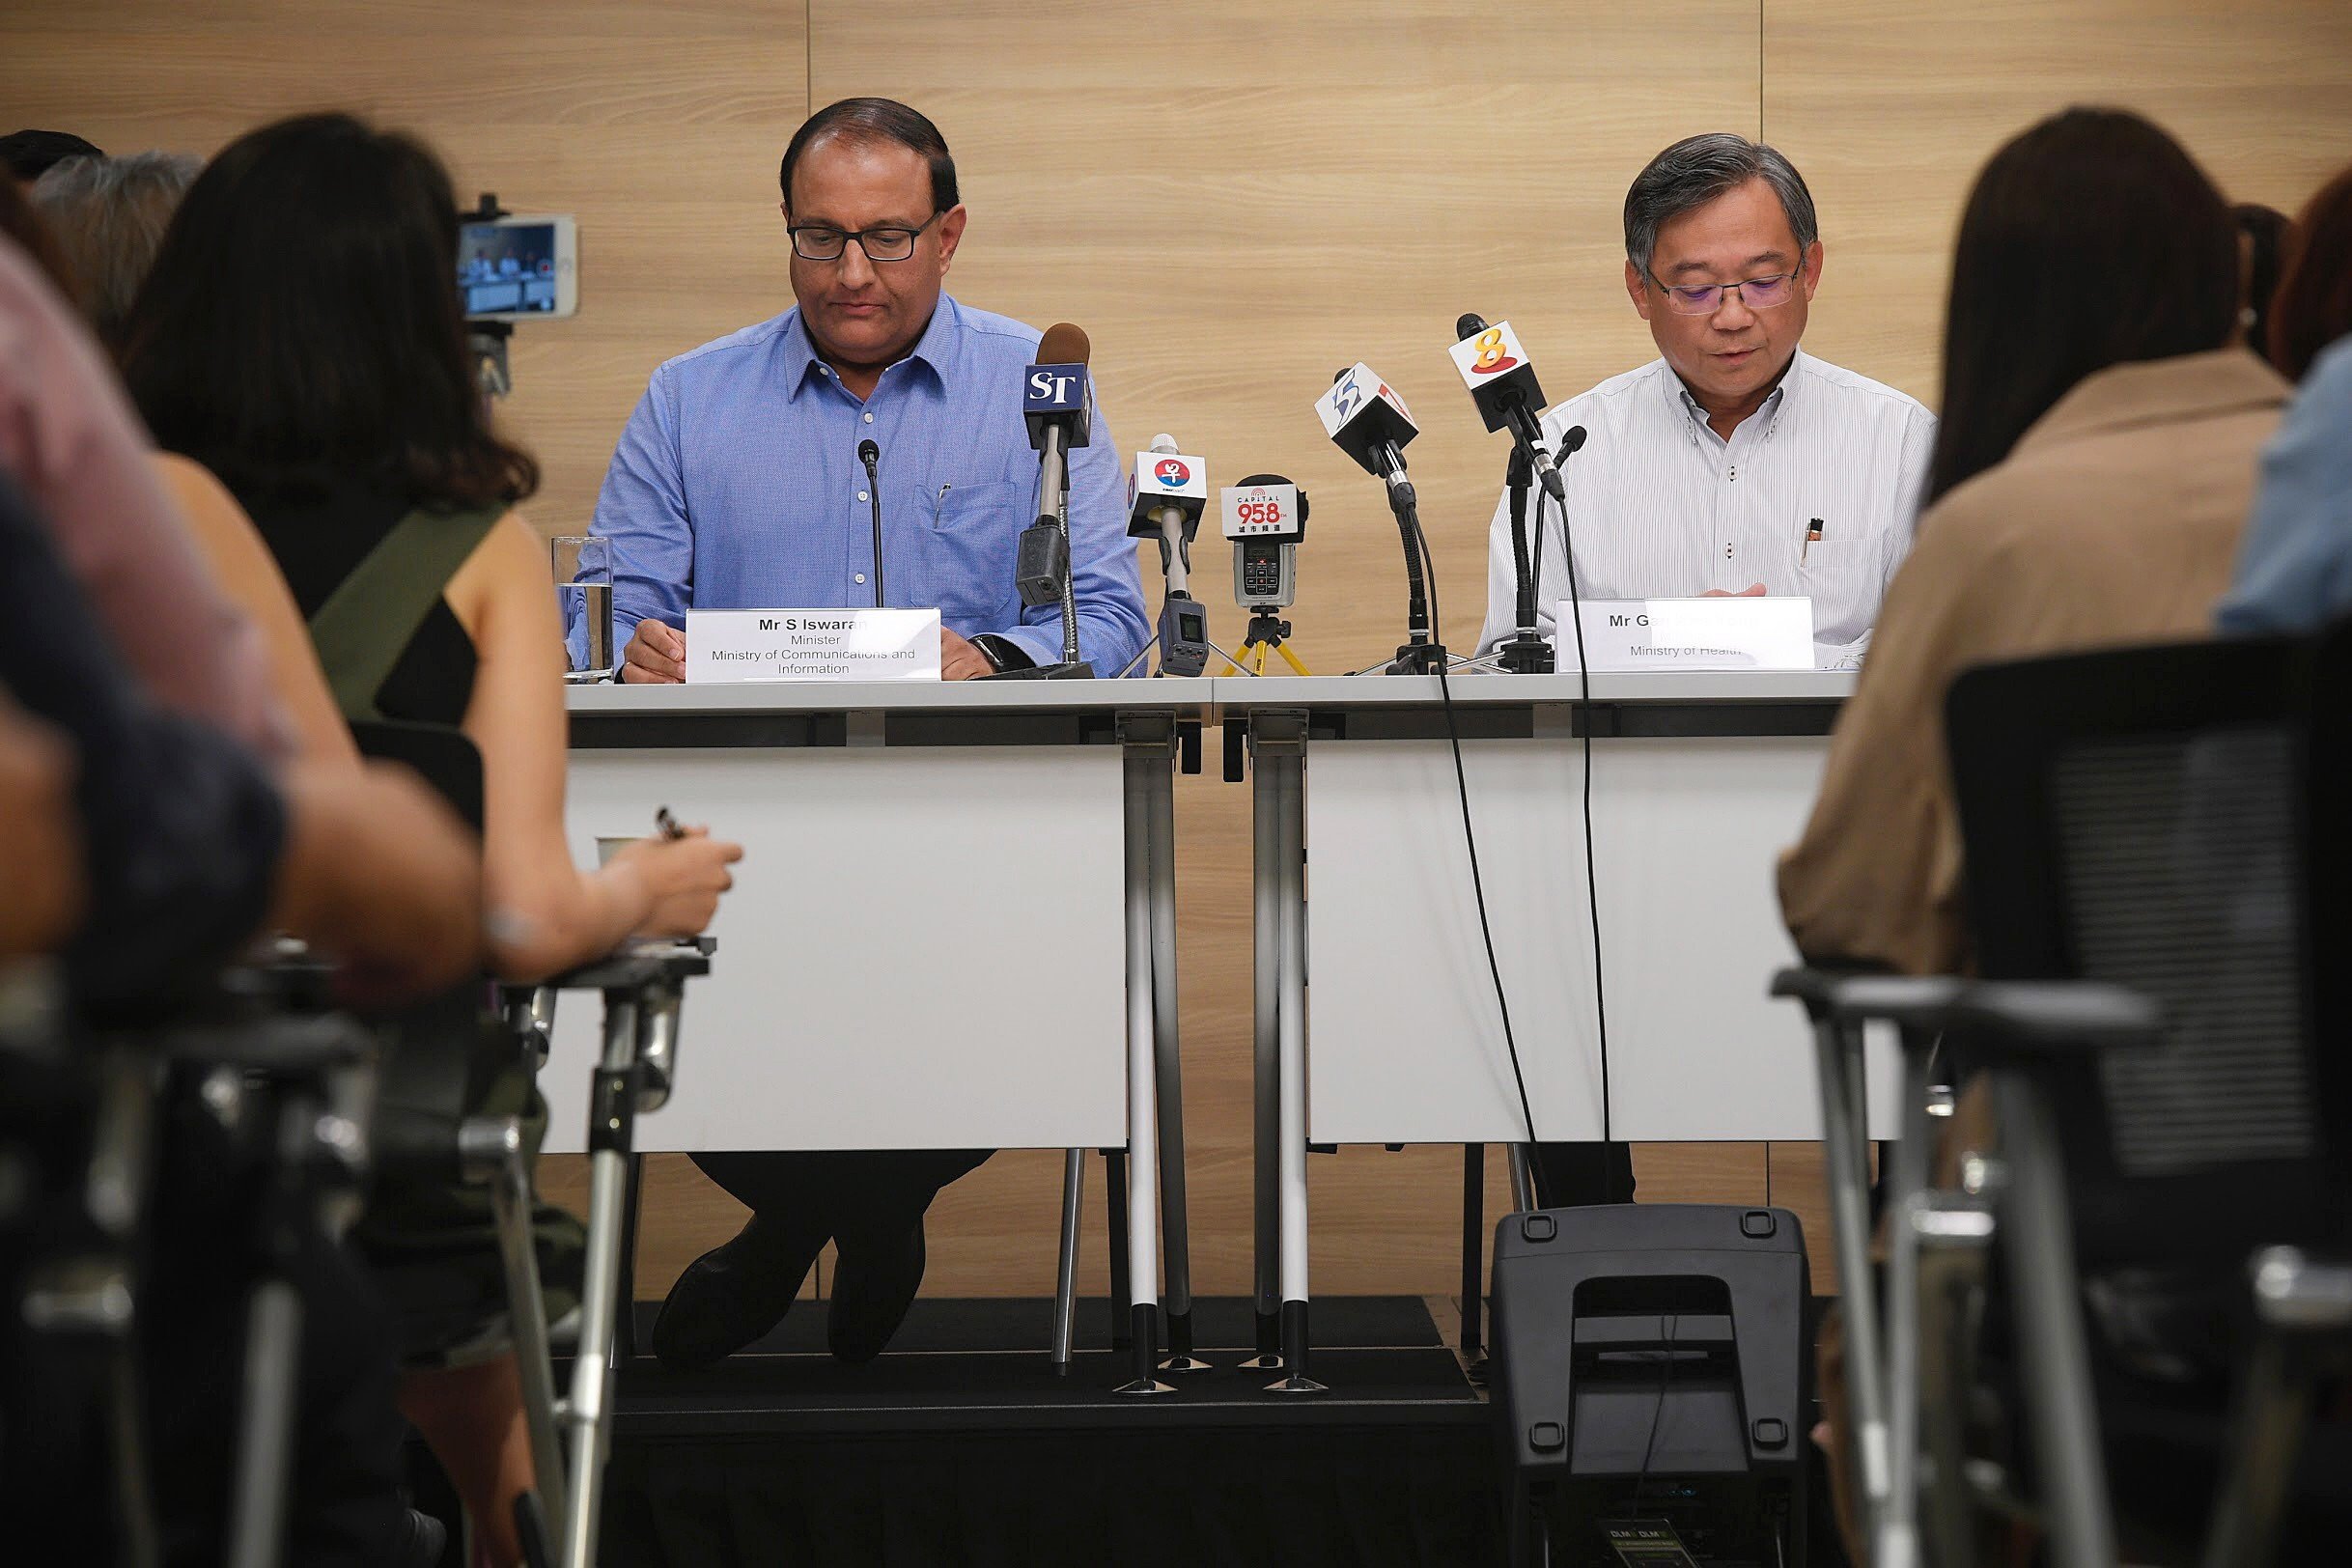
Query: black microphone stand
[(869, 454), (1421, 654), (1526, 653)]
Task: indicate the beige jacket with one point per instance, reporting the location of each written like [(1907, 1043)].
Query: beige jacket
[(2114, 521)]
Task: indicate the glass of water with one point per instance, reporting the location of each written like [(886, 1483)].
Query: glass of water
[(583, 591)]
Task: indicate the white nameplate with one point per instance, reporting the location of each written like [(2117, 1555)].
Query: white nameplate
[(812, 645), (1715, 634)]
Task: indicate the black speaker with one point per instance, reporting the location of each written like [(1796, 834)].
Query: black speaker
[(1651, 1368)]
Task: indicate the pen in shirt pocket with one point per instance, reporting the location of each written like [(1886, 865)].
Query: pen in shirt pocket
[(1812, 537)]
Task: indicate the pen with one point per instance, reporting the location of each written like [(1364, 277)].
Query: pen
[(1812, 537), (667, 823)]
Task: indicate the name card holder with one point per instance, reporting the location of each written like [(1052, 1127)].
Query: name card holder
[(812, 645), (1710, 634)]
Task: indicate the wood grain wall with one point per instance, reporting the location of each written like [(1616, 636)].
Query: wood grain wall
[(1235, 198)]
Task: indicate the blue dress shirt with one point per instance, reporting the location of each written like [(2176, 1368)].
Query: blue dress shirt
[(2295, 563), (737, 485)]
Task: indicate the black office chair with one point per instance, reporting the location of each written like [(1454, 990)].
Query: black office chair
[(2154, 916)]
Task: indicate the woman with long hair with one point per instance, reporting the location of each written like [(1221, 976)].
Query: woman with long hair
[(300, 336)]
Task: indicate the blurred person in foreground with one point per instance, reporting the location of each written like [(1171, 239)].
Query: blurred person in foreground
[(315, 253), (108, 216)]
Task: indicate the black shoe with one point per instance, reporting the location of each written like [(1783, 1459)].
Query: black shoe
[(733, 1294), (873, 1286)]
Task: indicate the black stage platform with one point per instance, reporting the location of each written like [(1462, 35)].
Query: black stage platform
[(961, 1445)]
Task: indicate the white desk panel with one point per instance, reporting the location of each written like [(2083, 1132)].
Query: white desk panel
[(1407, 1042), (924, 947)]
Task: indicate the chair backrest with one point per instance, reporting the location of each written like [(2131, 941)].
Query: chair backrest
[(2138, 816)]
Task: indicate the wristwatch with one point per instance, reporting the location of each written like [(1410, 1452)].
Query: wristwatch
[(1002, 652)]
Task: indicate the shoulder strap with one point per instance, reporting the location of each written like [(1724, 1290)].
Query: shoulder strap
[(368, 622)]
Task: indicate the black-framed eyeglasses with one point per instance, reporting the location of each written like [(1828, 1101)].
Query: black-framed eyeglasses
[(894, 242), (1706, 298)]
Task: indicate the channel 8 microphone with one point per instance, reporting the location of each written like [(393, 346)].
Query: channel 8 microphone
[(1501, 383)]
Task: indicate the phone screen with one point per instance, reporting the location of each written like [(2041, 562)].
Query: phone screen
[(505, 268)]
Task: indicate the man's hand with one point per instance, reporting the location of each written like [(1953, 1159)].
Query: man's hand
[(1754, 589), (959, 660), (40, 838), (656, 654)]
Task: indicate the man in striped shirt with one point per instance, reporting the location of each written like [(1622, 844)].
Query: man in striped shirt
[(1734, 462)]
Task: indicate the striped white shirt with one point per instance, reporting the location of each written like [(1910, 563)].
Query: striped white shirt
[(1661, 506)]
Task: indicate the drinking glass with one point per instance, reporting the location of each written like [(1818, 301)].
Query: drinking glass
[(583, 591)]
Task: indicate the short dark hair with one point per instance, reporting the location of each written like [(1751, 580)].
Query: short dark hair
[(301, 323), (2314, 305), (31, 153), (1698, 169), (2091, 240), (875, 120)]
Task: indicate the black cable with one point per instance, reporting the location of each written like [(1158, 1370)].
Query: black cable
[(1453, 734), (1593, 874), (1666, 1378)]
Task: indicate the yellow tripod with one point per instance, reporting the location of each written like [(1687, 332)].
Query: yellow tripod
[(1266, 634)]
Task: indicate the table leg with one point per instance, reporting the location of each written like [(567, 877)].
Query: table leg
[(1291, 765), (1142, 1097), (1168, 1059), (1265, 1098), (1065, 1280)]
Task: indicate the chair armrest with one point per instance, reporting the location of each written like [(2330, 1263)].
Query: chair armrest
[(639, 961), (2038, 1016), (1815, 985)]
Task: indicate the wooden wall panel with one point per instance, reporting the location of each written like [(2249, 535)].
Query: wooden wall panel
[(1889, 107), (660, 126)]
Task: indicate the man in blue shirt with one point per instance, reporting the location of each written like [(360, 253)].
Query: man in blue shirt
[(738, 485)]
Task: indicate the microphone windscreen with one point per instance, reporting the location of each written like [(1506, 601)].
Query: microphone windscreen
[(1064, 344), (1163, 443), (1572, 439), (868, 453), (1469, 325)]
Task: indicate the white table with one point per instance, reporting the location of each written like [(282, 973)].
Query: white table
[(953, 926), (1697, 782)]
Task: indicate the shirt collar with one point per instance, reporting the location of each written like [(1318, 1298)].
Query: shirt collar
[(2158, 392), (1694, 417), (935, 351)]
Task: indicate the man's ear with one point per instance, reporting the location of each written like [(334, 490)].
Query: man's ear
[(1812, 269), (951, 234), (1639, 289)]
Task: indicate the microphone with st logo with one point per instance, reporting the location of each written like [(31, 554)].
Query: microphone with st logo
[(1166, 495), (1057, 404), (1365, 418), (1502, 384)]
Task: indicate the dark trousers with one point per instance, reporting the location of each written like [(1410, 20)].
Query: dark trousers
[(1572, 1174), (856, 1197)]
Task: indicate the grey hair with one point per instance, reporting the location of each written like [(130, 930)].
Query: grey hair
[(1698, 169), (109, 215)]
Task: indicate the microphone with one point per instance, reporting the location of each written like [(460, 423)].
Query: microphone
[(870, 455), (1166, 495), (1365, 418), (1502, 383), (1057, 405)]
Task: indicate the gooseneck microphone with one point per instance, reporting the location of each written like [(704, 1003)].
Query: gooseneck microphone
[(1057, 404), (1365, 418), (869, 454), (1502, 383)]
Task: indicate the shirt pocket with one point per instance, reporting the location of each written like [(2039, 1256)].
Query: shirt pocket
[(975, 530)]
